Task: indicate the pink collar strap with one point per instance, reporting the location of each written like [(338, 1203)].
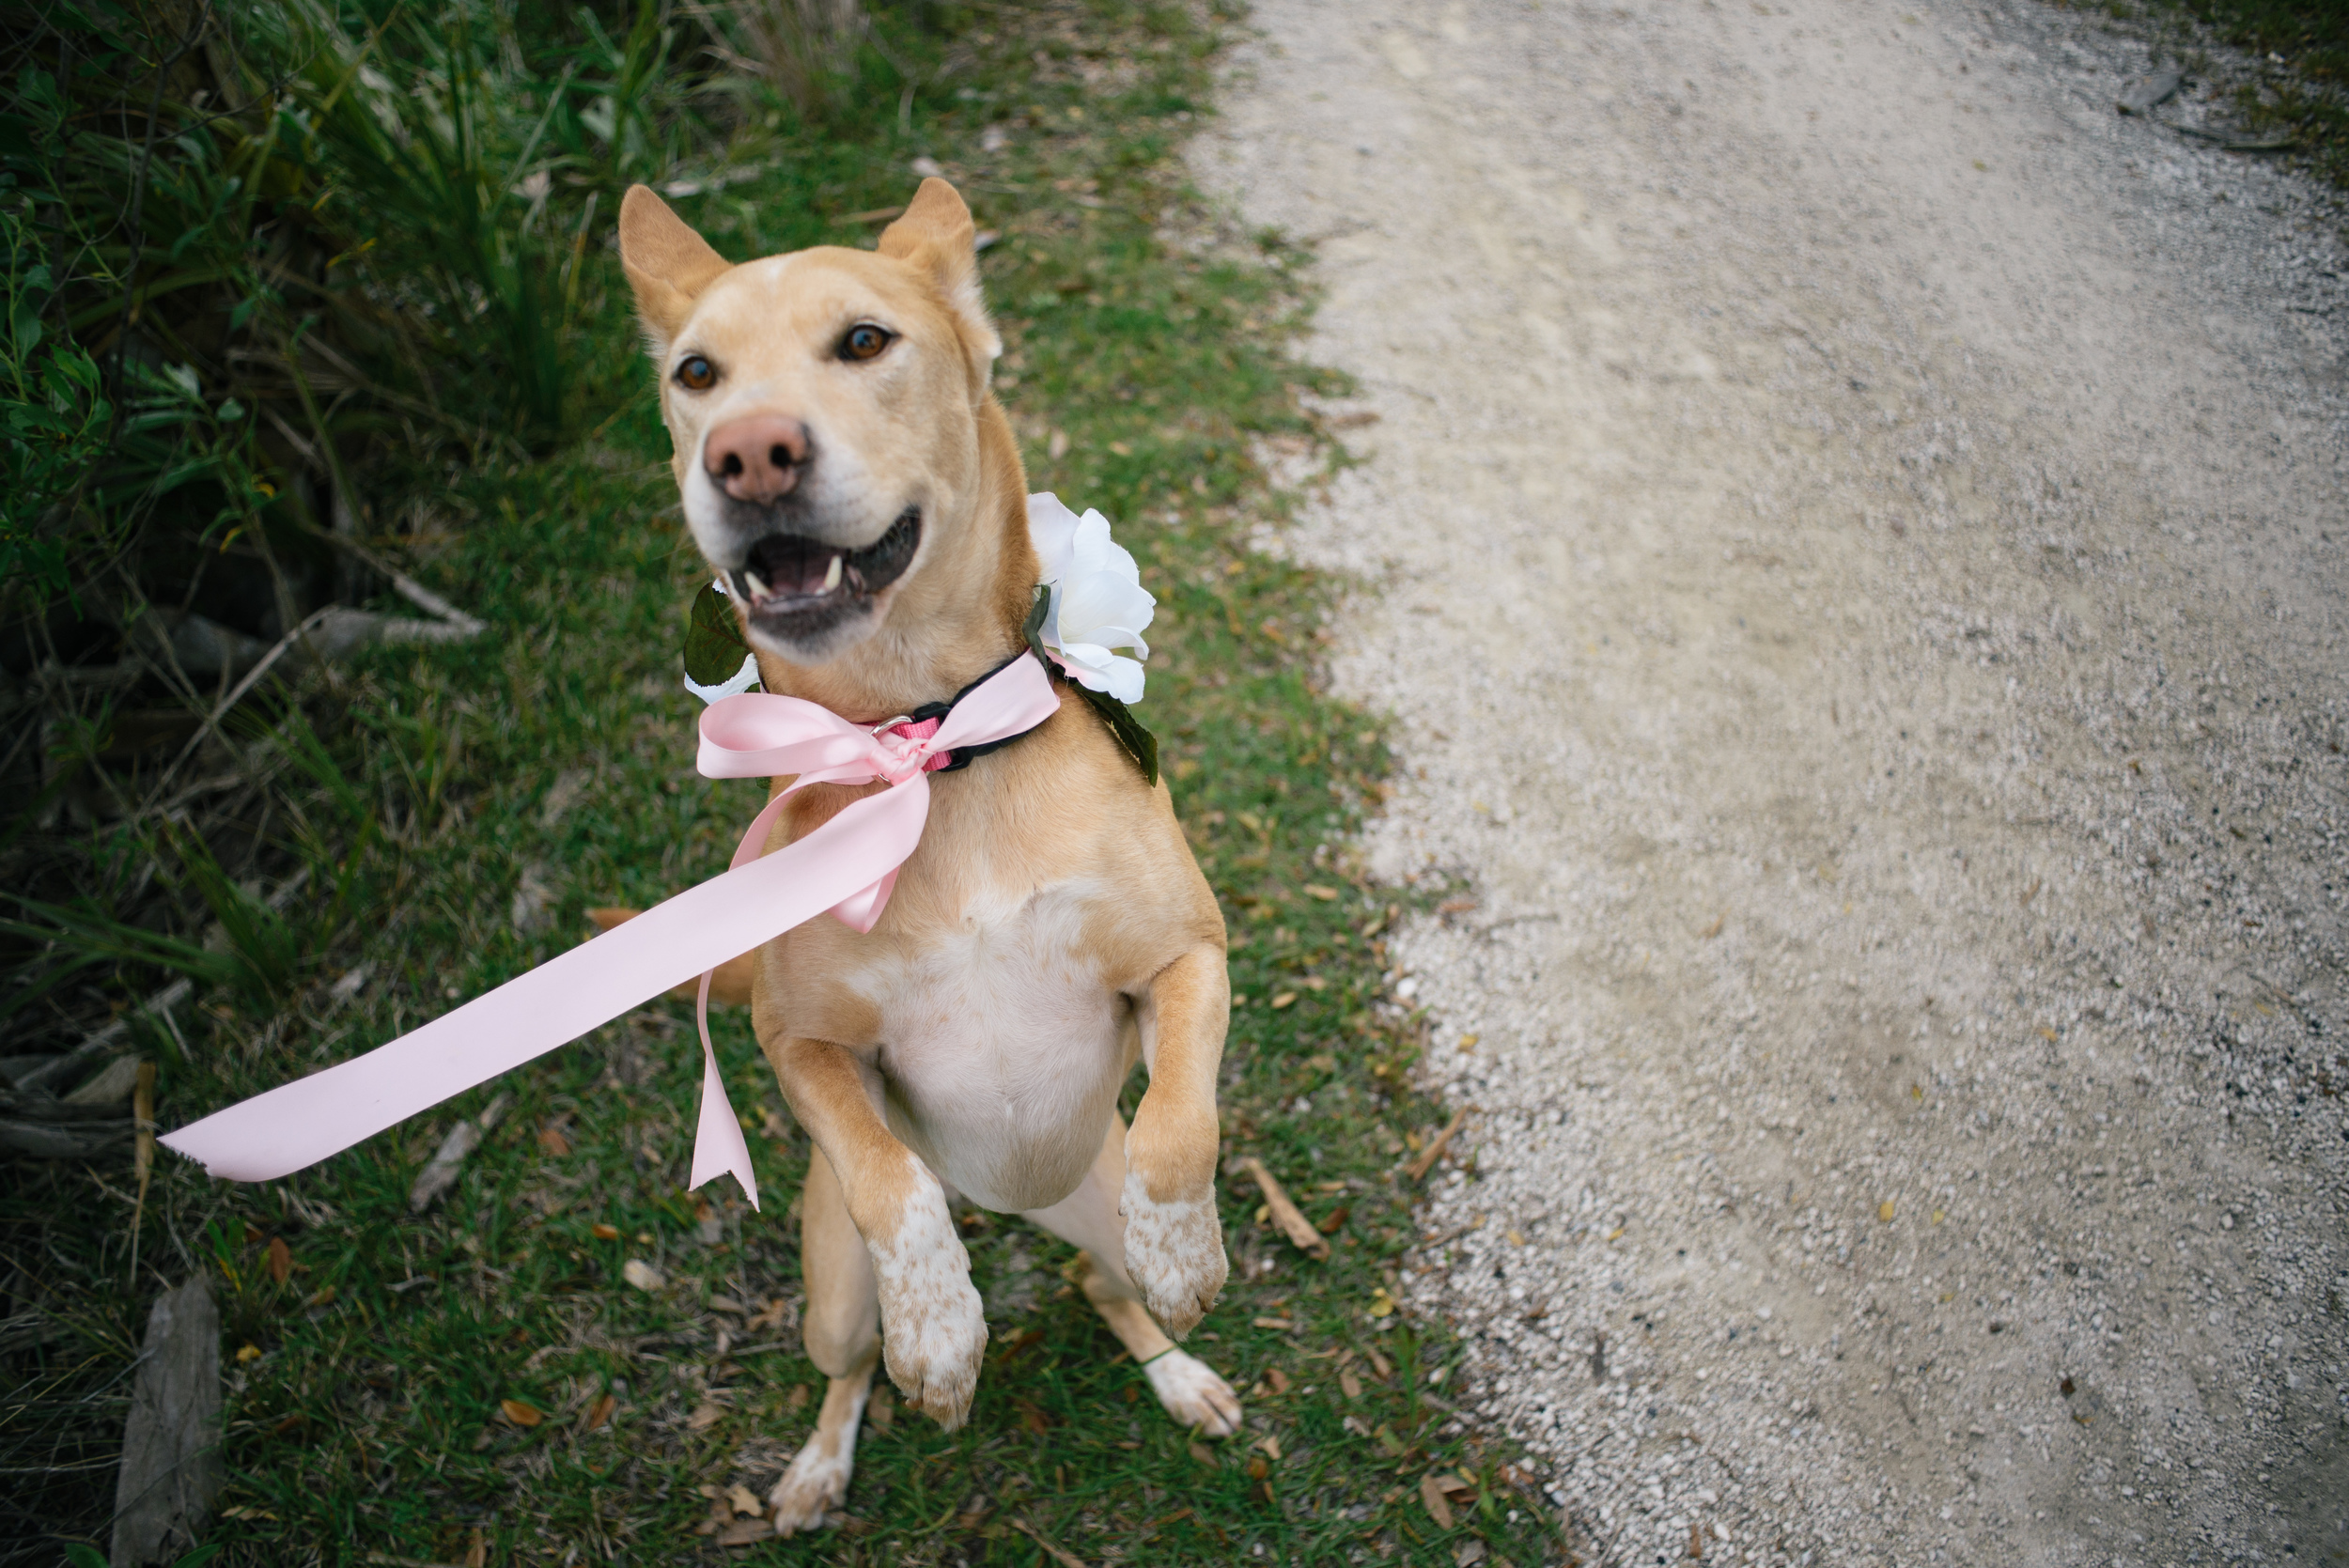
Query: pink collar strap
[(848, 867)]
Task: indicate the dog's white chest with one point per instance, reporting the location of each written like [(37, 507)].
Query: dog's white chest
[(1001, 1047)]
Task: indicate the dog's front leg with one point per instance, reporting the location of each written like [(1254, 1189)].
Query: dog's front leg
[(933, 1329), (1174, 1238)]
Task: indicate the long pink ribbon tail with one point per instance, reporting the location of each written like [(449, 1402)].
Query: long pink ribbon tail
[(848, 867)]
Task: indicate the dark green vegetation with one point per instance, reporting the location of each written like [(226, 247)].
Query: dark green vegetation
[(2300, 58), (481, 1380)]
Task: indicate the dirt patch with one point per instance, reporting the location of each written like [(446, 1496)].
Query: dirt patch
[(1854, 537)]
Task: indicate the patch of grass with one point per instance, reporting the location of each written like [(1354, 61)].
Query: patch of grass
[(482, 1374), (2298, 59)]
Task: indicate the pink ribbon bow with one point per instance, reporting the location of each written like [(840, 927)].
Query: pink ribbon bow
[(849, 866)]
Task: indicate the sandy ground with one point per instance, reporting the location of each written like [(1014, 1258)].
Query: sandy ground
[(1854, 545)]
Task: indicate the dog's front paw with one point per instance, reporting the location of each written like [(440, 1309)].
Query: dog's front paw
[(1173, 1254), (933, 1329), (816, 1483), (1193, 1394)]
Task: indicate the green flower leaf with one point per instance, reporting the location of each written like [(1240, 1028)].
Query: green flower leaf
[(715, 645)]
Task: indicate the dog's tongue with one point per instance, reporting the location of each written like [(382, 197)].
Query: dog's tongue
[(805, 574), (792, 568)]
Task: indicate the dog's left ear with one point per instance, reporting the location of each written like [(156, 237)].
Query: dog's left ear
[(936, 237), (667, 264)]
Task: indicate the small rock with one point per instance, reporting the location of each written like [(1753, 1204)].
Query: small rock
[(2146, 91)]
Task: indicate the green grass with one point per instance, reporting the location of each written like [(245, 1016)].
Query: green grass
[(370, 1353), (2299, 57)]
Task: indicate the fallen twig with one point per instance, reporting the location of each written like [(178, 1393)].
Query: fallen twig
[(236, 694), (440, 1172), (1066, 1560), (60, 1139), (1286, 1214), (1431, 1243), (1418, 1168), (99, 1042), (171, 1466), (454, 624)]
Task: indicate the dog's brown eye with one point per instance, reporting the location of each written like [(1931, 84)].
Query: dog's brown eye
[(864, 342), (696, 374)]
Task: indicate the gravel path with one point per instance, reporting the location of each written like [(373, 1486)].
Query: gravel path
[(1854, 544)]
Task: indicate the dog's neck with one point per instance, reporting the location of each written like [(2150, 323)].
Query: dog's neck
[(962, 619)]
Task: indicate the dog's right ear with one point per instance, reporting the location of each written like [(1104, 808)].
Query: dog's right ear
[(936, 236), (668, 264)]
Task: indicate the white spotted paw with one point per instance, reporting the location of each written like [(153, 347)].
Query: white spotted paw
[(818, 1480), (1193, 1394), (1175, 1254), (933, 1328)]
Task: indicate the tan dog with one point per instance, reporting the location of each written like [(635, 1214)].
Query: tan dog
[(845, 465)]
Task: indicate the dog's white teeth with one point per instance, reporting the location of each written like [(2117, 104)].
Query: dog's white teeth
[(831, 575), (758, 583)]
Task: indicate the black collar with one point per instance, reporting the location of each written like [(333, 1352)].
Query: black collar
[(964, 756)]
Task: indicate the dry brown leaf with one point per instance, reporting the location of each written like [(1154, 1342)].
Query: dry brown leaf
[(550, 1139), (1439, 1506), (478, 1550), (743, 1531), (1202, 1453), (1378, 1363), (521, 1412), (1279, 1379), (770, 1316), (1350, 1385), (600, 1411), (743, 1500), (280, 1260), (706, 1415), (637, 1272), (607, 1233)]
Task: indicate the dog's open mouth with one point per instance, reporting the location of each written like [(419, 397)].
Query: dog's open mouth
[(788, 577)]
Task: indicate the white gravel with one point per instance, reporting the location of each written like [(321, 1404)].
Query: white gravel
[(1854, 545)]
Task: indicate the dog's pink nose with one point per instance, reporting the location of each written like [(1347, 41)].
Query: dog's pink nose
[(756, 458)]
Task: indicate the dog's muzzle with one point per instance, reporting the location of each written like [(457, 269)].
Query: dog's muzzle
[(787, 577)]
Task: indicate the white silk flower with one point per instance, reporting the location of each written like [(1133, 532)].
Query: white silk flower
[(1098, 606)]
